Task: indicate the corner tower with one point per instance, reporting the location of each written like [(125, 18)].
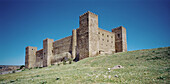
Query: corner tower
[(87, 38), (120, 39), (30, 57)]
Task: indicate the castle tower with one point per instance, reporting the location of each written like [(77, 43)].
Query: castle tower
[(87, 39), (120, 39), (30, 57), (74, 43), (47, 51)]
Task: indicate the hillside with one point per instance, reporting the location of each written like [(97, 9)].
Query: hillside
[(140, 67)]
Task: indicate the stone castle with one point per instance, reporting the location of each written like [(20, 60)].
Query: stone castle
[(86, 41)]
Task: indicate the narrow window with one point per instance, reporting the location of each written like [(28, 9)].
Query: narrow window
[(103, 39), (107, 35), (103, 34), (99, 33), (111, 36), (118, 35), (107, 40)]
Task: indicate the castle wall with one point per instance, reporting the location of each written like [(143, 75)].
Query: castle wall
[(39, 58), (106, 41), (62, 45)]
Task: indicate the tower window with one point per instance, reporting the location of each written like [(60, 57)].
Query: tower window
[(118, 35), (107, 35), (98, 32), (103, 34)]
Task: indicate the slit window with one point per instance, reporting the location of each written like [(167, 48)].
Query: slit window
[(118, 35)]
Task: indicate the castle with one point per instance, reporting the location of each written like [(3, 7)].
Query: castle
[(86, 41)]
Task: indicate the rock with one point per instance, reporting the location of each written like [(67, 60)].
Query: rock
[(109, 69), (117, 67), (116, 76), (57, 78)]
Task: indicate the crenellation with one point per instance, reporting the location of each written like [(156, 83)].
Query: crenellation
[(86, 41)]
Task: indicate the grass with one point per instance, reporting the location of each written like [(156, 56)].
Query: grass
[(151, 66)]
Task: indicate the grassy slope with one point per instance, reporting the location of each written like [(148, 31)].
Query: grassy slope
[(142, 66)]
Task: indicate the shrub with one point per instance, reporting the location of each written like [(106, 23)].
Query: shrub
[(13, 71), (70, 60), (22, 66), (64, 62)]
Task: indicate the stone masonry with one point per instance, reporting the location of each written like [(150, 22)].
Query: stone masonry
[(86, 41)]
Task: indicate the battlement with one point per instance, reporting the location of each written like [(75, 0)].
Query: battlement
[(86, 41)]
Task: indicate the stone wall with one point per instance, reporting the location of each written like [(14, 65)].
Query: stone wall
[(62, 48), (39, 58), (62, 45), (106, 41)]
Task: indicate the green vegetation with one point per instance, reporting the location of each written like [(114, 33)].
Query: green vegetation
[(140, 67)]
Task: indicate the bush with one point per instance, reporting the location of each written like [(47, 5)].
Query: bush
[(64, 62), (22, 66), (13, 71), (70, 60)]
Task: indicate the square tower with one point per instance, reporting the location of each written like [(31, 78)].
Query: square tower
[(87, 35), (30, 57), (120, 39)]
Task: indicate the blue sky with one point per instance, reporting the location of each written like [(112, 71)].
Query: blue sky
[(27, 23)]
